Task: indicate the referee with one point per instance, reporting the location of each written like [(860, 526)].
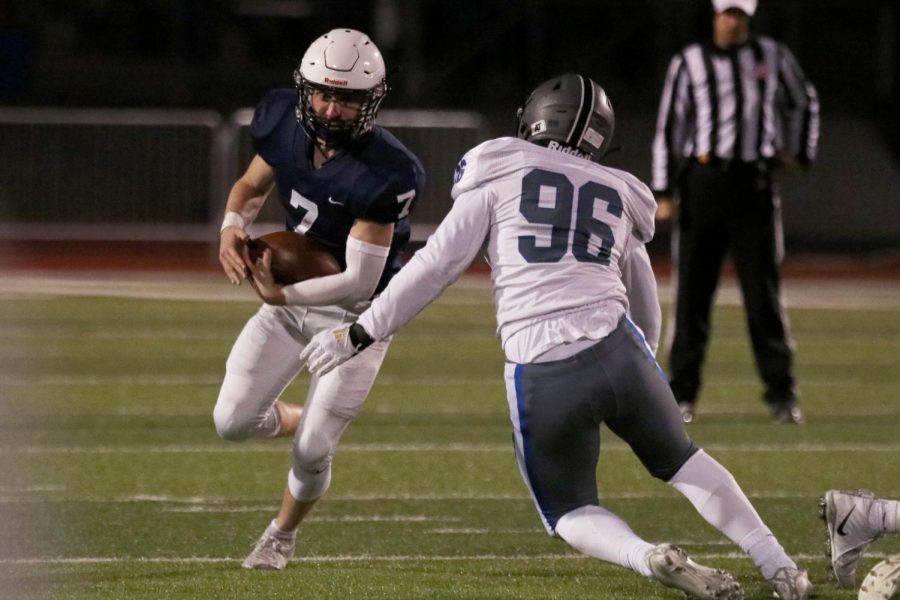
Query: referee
[(732, 113)]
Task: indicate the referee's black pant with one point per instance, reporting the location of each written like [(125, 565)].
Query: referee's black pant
[(729, 207)]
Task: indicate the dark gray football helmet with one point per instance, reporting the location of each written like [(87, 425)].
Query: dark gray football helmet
[(572, 111)]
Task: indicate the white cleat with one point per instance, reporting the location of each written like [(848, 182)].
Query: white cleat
[(791, 584), (671, 566), (883, 581), (846, 515), (269, 553)]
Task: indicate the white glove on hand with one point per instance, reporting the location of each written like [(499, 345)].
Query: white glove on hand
[(327, 350)]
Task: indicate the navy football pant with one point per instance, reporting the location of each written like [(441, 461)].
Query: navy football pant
[(557, 407)]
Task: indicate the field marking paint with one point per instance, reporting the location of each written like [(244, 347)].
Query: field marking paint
[(464, 448), (825, 294), (32, 489), (26, 333), (315, 518), (486, 531), (356, 558), (114, 380), (215, 379), (19, 331), (449, 409), (218, 504)]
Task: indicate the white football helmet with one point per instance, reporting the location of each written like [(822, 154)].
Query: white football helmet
[(883, 581), (346, 64)]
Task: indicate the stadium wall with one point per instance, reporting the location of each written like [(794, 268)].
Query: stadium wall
[(164, 174)]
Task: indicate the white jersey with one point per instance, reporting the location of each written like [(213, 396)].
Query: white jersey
[(558, 227)]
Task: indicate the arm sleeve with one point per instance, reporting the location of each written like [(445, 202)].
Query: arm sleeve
[(641, 209), (640, 286), (365, 263), (670, 126), (447, 254), (801, 136)]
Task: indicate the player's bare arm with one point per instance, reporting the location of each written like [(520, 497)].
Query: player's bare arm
[(372, 232), (245, 200)]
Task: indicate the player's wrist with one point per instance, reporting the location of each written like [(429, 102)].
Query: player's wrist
[(232, 219), (359, 337), (662, 196)]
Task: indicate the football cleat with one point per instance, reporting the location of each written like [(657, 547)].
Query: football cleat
[(687, 412), (671, 566), (846, 516), (791, 584), (883, 581), (787, 413), (269, 553)]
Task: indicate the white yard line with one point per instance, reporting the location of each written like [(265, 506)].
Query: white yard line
[(453, 410), (471, 289), (803, 448), (357, 558), (384, 380), (218, 504)]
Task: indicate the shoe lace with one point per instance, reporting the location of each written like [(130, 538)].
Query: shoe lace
[(270, 542), (785, 582)]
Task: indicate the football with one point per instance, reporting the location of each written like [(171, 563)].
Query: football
[(295, 257), (883, 581)]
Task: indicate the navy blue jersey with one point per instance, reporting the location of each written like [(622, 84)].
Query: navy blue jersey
[(376, 178)]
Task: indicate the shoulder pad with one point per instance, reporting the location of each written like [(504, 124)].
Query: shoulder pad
[(387, 182), (270, 110), (641, 204), (483, 163)]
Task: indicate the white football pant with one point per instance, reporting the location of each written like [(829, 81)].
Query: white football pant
[(264, 360)]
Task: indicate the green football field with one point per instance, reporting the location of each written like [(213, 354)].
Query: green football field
[(113, 483)]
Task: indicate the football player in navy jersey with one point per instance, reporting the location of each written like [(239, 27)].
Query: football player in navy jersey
[(350, 185), (577, 318)]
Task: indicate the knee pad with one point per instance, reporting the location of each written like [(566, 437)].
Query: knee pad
[(227, 425), (310, 477), (313, 451), (237, 419)]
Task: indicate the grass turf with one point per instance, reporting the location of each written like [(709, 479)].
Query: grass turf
[(113, 483)]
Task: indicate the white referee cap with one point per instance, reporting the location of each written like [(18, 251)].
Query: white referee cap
[(748, 6)]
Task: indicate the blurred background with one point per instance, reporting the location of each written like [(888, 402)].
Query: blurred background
[(130, 115)]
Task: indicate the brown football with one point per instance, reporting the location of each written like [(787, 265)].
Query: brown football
[(295, 257)]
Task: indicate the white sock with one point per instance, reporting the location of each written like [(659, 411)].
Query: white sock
[(719, 499), (273, 530), (601, 534), (767, 554), (884, 515)]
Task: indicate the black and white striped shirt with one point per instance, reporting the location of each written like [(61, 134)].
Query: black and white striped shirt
[(778, 108)]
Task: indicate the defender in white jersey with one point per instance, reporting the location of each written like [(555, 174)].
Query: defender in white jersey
[(564, 232)]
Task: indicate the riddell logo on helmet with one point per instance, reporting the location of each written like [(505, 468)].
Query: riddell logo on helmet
[(340, 82), (554, 145)]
